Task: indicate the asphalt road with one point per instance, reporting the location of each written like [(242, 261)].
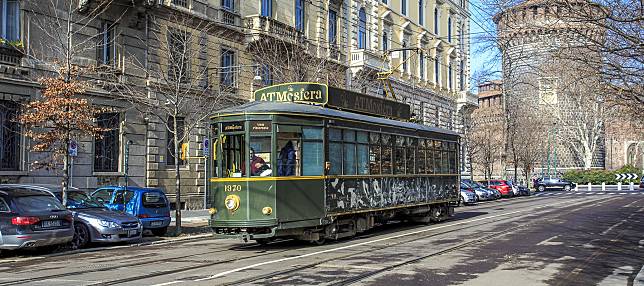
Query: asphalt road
[(563, 239)]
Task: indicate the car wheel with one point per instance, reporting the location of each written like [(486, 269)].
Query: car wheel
[(159, 231), (541, 188), (567, 188), (81, 236)]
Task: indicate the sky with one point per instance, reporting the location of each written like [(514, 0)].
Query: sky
[(481, 32)]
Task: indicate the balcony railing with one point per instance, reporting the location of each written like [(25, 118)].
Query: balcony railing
[(10, 55), (366, 58), (260, 25), (228, 17)]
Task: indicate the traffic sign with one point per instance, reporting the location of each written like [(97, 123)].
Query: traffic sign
[(73, 148), (206, 147), (621, 177)]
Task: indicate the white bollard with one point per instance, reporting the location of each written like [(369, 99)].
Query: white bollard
[(603, 186), (631, 187), (619, 186), (590, 187)]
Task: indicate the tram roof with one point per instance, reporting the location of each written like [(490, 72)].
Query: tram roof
[(256, 107)]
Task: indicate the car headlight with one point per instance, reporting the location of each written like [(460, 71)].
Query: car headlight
[(232, 202), (108, 224)]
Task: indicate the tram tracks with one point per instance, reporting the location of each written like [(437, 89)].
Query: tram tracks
[(202, 265), (414, 238)]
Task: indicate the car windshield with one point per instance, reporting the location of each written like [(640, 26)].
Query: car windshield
[(80, 200), (38, 203)]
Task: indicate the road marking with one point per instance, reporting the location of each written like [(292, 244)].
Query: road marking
[(613, 226), (221, 274), (169, 283), (549, 242), (622, 193), (639, 279)]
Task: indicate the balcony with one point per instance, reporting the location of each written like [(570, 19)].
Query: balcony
[(228, 17), (337, 55), (366, 59), (264, 26), (10, 55)]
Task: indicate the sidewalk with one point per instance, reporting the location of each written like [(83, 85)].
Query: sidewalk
[(198, 217)]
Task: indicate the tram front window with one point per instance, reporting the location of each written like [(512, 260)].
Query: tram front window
[(260, 156), (233, 156)]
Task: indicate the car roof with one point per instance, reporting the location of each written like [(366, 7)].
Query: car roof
[(20, 191), (131, 188), (39, 187)]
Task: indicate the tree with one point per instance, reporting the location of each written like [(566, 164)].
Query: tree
[(62, 115), (182, 82)]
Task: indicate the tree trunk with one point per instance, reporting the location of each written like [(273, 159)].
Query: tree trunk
[(65, 175), (177, 183)]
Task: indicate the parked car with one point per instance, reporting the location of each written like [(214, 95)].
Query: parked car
[(642, 183), (467, 196), (499, 185), (32, 219), (150, 205), (541, 184), (518, 189), (482, 193), (92, 221), (495, 193)]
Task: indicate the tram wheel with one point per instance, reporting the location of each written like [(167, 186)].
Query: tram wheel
[(320, 241), (263, 241)]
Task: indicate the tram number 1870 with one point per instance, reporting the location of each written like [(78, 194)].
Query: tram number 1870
[(232, 188)]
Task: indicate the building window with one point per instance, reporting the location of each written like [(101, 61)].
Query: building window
[(385, 39), (449, 29), (299, 15), (437, 69), (106, 147), (449, 76), (178, 57), (462, 76), (436, 21), (9, 137), (384, 1), (333, 27), (10, 20), (362, 29), (404, 57), (421, 13), (227, 67), (180, 3), (170, 140), (106, 47), (267, 8), (266, 73), (227, 4), (422, 65), (403, 8)]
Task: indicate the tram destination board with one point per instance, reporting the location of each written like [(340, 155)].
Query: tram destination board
[(332, 97)]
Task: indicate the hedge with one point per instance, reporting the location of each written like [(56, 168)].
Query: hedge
[(601, 176)]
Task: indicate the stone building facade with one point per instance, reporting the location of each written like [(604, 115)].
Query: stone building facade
[(531, 36), (347, 35)]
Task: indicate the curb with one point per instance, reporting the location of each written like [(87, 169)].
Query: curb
[(96, 249)]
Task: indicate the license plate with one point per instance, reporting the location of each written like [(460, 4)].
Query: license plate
[(156, 223), (131, 232), (52, 223)]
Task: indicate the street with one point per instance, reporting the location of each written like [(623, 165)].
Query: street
[(553, 238)]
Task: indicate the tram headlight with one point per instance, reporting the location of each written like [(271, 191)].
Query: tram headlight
[(267, 210), (212, 211), (232, 202)]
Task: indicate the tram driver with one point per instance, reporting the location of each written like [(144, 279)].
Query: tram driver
[(258, 167)]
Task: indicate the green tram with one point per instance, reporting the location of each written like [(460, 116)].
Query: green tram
[(313, 162)]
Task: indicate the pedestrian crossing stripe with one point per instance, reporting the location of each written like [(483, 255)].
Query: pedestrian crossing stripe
[(587, 193)]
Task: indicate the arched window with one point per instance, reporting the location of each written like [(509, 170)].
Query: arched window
[(449, 29), (436, 16), (299, 15), (404, 57), (437, 69), (385, 39), (362, 29)]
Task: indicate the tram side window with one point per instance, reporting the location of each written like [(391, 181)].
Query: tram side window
[(438, 169), (233, 155), (445, 157), (452, 158), (260, 156), (429, 164), (420, 161), (374, 153), (411, 155), (312, 152), (288, 153), (387, 154), (335, 151), (363, 153), (399, 155), (349, 164)]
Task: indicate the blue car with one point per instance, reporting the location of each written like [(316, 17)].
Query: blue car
[(150, 205)]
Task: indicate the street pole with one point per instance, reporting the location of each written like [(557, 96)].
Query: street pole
[(548, 156), (555, 148), (126, 161)]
